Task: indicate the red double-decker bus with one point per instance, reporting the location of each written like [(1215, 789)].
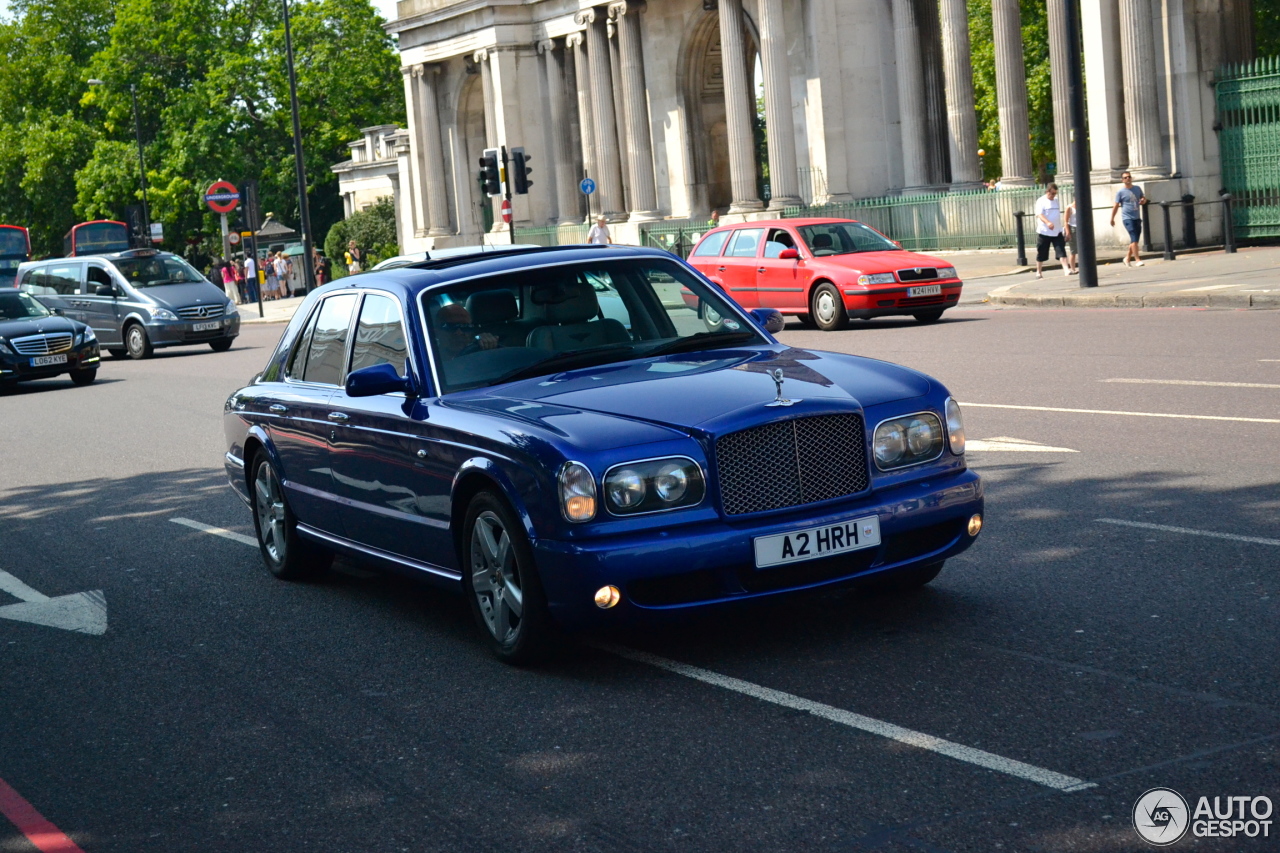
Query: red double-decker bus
[(99, 237), (15, 248)]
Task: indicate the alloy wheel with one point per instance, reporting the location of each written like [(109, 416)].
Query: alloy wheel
[(269, 503), (495, 578)]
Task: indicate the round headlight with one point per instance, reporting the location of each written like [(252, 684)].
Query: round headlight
[(625, 488), (891, 444), (577, 492), (671, 482), (919, 437)]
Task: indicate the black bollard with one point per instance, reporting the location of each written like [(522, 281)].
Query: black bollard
[(1022, 239), (1146, 229), (1188, 221), (1228, 226), (1168, 233)]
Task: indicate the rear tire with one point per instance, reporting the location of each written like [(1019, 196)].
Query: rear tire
[(221, 346), (288, 556), (826, 307), (926, 317), (84, 377), (136, 343), (903, 580)]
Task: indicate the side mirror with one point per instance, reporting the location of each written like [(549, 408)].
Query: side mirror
[(789, 255), (770, 318), (375, 380), (106, 290), (59, 312)]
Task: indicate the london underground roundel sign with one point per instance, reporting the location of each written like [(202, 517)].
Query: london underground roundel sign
[(222, 197)]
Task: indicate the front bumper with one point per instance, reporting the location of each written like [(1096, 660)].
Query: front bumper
[(17, 368), (862, 303), (713, 564), (181, 332)]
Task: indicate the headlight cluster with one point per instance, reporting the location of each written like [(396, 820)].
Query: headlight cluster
[(4, 347), (86, 336), (653, 485), (947, 272), (955, 426), (163, 314), (878, 278), (908, 440), (577, 492)]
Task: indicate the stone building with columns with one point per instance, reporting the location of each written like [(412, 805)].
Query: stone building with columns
[(863, 98)]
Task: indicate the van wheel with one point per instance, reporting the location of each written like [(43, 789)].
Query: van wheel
[(117, 352), (827, 308), (84, 377), (136, 343)]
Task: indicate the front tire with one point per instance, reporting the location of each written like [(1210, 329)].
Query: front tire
[(926, 317), (287, 555), (117, 352), (136, 343), (826, 307), (903, 580), (502, 584), (221, 346), (84, 377)]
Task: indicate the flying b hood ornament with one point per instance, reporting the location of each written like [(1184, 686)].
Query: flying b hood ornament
[(779, 400)]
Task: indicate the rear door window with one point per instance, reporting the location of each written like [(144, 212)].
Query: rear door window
[(328, 347), (745, 242), (712, 246)]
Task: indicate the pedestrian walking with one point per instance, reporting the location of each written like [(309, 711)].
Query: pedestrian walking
[(284, 273), (251, 277), (1049, 231), (1072, 244), (324, 272), (599, 233), (228, 273), (272, 290), (237, 269), (353, 258), (1129, 201)]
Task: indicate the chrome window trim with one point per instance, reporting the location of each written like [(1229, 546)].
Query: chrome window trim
[(404, 329), (942, 426), (438, 387), (604, 498), (355, 312)]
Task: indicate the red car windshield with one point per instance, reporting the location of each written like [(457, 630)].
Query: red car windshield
[(845, 238)]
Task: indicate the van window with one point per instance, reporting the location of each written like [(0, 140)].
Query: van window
[(62, 279)]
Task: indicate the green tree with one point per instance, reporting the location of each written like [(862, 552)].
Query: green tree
[(373, 229)]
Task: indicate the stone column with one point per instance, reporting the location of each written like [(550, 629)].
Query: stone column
[(784, 179), (566, 193), (1141, 103), (604, 126), (962, 117), (481, 59), (1058, 52), (582, 76), (737, 104), (417, 213), (432, 156), (910, 69), (1011, 95), (644, 193), (619, 113)]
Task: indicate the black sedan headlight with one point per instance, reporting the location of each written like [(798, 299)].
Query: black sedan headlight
[(653, 485), (907, 440)]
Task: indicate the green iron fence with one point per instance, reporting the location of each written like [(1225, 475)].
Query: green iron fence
[(553, 235), (677, 236), (1249, 144)]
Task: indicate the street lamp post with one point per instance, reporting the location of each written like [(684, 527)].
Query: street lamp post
[(142, 164), (304, 209)]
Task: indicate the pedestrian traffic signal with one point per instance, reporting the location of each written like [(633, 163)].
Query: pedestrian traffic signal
[(489, 176), (520, 171)]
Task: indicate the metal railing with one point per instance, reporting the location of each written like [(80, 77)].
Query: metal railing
[(677, 236), (552, 235)]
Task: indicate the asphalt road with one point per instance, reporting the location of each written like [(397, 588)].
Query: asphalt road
[(223, 710)]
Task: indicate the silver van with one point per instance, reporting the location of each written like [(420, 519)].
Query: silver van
[(135, 300)]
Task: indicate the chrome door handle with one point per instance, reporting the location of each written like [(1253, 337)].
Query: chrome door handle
[(277, 408), (722, 269), (337, 416), (760, 269), (422, 454)]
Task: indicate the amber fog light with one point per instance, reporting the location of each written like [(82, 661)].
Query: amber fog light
[(607, 596), (975, 524)]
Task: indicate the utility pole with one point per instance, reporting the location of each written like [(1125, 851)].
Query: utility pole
[(304, 209), (506, 197), (142, 165), (1087, 261)]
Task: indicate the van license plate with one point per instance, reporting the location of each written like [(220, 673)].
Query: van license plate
[(46, 360), (814, 542), (924, 290), (207, 327)]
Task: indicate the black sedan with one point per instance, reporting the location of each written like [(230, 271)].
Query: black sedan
[(35, 343)]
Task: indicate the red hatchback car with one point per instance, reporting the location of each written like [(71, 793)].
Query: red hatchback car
[(825, 271)]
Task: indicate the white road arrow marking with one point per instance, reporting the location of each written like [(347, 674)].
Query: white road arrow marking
[(1016, 445), (82, 612)]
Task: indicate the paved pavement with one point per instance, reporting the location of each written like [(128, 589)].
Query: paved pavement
[(1117, 623)]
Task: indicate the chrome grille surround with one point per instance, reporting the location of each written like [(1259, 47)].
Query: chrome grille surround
[(202, 312), (918, 274), (792, 463), (42, 344)]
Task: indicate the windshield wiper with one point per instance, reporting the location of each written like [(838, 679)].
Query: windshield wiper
[(701, 341), (564, 361)]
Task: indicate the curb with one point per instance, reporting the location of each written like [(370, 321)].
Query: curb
[(1140, 300)]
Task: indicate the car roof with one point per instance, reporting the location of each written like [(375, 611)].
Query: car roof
[(127, 254)]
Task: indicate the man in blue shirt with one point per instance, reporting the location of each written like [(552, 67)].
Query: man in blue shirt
[(1129, 201)]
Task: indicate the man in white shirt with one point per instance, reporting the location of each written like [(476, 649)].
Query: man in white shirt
[(251, 275), (1049, 231), (599, 233)]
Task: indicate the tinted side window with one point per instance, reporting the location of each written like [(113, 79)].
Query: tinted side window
[(63, 279), (712, 245), (379, 335), (328, 348), (745, 242), (298, 358)]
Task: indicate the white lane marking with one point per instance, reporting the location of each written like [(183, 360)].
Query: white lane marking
[(1013, 445), (991, 761), (82, 612), (1256, 540), (1192, 382), (1210, 287), (1130, 414), (216, 531), (1269, 360)]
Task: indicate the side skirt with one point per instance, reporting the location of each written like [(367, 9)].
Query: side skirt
[(438, 574)]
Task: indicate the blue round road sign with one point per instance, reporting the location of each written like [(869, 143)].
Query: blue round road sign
[(587, 186)]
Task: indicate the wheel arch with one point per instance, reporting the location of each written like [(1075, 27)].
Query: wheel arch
[(257, 440), (474, 476)]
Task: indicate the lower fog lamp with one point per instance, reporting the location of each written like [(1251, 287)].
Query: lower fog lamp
[(975, 525), (607, 597)]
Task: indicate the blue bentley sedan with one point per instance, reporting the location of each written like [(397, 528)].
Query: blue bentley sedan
[(573, 436)]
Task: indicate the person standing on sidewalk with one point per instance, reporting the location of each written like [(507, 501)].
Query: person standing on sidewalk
[(228, 273), (1049, 231), (1129, 201), (353, 258), (599, 233), (1069, 229)]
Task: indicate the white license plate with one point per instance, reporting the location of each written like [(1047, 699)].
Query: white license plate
[(814, 542), (924, 290), (46, 360), (206, 327)]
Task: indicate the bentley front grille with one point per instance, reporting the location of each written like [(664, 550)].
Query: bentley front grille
[(42, 344), (790, 463)]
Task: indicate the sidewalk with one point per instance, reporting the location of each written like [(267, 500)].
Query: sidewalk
[(1211, 279), (275, 311)]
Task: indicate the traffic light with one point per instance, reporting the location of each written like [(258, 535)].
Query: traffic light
[(489, 172), (520, 171)]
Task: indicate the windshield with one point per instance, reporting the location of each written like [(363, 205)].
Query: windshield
[(845, 238), (19, 306), (157, 270), (8, 271), (99, 238), (13, 243), (544, 321)]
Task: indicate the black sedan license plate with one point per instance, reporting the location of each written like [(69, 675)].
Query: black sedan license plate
[(46, 360), (814, 542)]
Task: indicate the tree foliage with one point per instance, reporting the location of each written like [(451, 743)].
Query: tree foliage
[(1266, 27), (213, 103), (373, 229)]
